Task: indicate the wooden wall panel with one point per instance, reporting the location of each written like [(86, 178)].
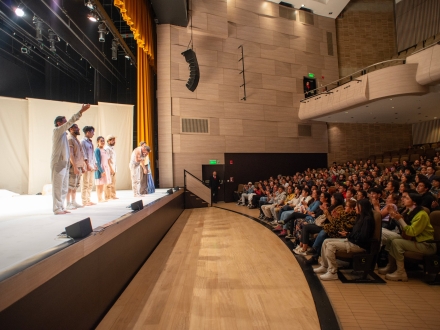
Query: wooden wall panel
[(232, 127), (278, 53), (192, 108), (245, 144)]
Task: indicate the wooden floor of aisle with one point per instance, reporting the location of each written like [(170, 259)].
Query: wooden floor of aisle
[(216, 270)]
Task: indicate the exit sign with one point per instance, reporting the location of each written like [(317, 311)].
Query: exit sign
[(311, 75), (212, 161)]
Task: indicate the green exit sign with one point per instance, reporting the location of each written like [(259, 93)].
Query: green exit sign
[(212, 161), (311, 75)]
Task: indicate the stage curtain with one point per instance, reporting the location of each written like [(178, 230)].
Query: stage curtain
[(137, 14)]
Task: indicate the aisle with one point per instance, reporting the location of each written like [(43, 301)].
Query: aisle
[(216, 270)]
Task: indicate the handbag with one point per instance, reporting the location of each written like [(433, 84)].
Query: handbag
[(319, 221)]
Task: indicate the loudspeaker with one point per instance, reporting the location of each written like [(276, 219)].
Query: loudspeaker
[(194, 72), (137, 206), (176, 188), (79, 229)]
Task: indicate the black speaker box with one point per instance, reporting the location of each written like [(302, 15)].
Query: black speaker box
[(194, 72), (137, 206), (79, 229)]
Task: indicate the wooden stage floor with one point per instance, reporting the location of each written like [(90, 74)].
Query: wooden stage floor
[(216, 270)]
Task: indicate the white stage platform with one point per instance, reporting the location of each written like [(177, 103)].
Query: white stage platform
[(28, 226)]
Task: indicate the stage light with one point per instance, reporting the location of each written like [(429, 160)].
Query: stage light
[(53, 38), (25, 50), (115, 45), (93, 17), (170, 191), (127, 57), (102, 31), (19, 12), (38, 28), (89, 4)]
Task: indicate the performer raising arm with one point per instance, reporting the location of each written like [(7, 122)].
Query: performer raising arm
[(60, 159)]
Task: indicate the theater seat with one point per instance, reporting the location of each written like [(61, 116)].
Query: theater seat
[(431, 263), (365, 261)]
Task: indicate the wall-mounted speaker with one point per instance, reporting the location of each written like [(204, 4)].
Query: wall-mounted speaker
[(79, 229), (194, 72)]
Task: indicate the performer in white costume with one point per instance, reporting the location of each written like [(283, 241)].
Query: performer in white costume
[(136, 162), (60, 160)]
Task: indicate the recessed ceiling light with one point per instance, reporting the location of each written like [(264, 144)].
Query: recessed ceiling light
[(392, 107), (330, 13), (346, 111), (391, 99), (302, 5), (19, 12), (435, 117)]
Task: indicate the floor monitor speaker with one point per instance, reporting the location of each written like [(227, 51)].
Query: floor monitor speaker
[(79, 229)]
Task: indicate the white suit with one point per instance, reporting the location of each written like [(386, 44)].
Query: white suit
[(59, 164)]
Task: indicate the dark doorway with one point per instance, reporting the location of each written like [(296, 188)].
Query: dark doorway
[(309, 86), (206, 174)]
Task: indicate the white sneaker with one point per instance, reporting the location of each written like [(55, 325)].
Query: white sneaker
[(78, 206), (70, 207), (300, 252), (329, 276), (320, 270)]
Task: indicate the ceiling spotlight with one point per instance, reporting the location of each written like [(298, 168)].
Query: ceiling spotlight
[(127, 57), (102, 31), (38, 28), (302, 5), (115, 45), (19, 12), (93, 17), (89, 4), (53, 38)]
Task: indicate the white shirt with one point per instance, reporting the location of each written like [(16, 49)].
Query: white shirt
[(60, 145), (111, 155)]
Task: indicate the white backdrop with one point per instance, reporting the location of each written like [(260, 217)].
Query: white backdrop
[(14, 145), (32, 127)]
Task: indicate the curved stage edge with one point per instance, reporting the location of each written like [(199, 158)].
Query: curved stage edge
[(326, 315), (75, 287)]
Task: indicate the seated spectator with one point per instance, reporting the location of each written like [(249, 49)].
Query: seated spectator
[(416, 229), (423, 188), (277, 201), (430, 173), (307, 215), (276, 211), (384, 210), (332, 214), (300, 204), (331, 229), (361, 194), (349, 194), (359, 240), (245, 195), (255, 196)]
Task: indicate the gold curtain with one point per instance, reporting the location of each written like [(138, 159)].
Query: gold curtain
[(137, 14)]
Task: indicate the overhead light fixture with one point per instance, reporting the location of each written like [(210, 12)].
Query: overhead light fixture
[(93, 17), (102, 31), (127, 57), (115, 45), (19, 12), (38, 28), (89, 4), (53, 38)]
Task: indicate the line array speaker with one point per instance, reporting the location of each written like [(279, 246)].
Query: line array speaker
[(194, 72)]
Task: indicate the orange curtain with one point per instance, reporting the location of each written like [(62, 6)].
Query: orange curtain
[(137, 14)]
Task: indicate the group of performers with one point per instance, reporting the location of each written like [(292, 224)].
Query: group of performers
[(78, 163)]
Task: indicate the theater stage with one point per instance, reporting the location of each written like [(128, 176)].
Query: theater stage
[(28, 227)]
